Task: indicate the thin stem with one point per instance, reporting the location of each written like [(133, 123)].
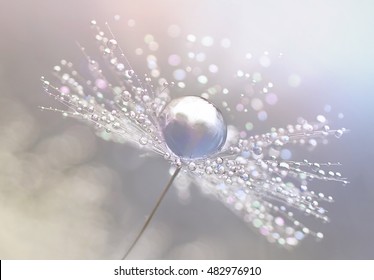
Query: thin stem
[(167, 187)]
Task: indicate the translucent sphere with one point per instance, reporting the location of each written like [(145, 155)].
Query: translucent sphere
[(193, 127)]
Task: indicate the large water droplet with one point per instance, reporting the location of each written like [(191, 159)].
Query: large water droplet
[(193, 127)]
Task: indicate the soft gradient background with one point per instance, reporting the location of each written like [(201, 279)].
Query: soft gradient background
[(66, 194)]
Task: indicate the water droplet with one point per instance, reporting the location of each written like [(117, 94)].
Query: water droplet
[(130, 73), (191, 135), (321, 118), (257, 150), (284, 166), (112, 44), (120, 67), (245, 177), (192, 166), (208, 170), (143, 140), (116, 125), (338, 133), (94, 117)]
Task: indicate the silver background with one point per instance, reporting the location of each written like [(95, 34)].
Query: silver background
[(65, 194)]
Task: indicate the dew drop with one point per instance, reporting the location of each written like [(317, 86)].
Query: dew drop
[(130, 73), (284, 166), (143, 141), (321, 118), (112, 44), (338, 133), (257, 150), (191, 135), (192, 166), (208, 170), (116, 125), (120, 67)]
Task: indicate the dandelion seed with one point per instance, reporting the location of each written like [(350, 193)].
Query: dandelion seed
[(253, 176)]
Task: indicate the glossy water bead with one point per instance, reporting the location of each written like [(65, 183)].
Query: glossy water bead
[(193, 127)]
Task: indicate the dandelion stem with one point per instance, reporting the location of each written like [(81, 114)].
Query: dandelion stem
[(167, 187)]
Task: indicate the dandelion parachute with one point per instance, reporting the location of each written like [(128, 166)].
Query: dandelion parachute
[(247, 174)]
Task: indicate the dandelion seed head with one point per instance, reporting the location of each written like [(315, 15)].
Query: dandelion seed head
[(251, 174)]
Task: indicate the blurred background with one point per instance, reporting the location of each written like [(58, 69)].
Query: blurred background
[(67, 194)]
